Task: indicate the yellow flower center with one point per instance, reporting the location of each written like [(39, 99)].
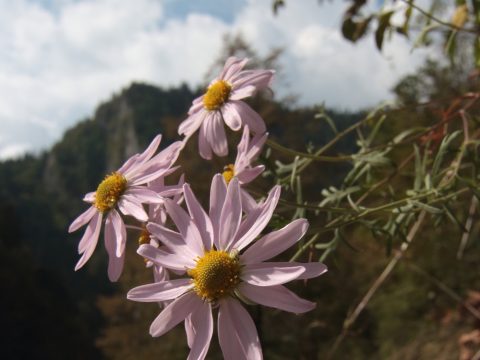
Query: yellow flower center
[(144, 237), (216, 274), (228, 173), (217, 94), (109, 191)]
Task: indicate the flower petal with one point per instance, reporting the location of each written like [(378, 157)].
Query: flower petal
[(190, 331), (312, 269), (160, 257), (248, 175), (248, 202), (204, 148), (231, 116), (143, 195), (150, 150), (84, 218), (259, 79), (193, 122), (218, 192), (90, 239), (215, 132), (269, 274), (200, 217), (160, 291), (231, 215), (89, 197), (236, 323), (202, 322), (172, 240), (249, 117), (174, 313), (186, 226), (257, 220), (120, 232), (276, 242), (242, 92), (89, 233), (278, 297), (129, 207), (232, 66), (115, 263), (157, 166)]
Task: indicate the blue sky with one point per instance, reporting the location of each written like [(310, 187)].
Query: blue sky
[(60, 58)]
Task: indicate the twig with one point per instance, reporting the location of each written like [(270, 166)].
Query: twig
[(468, 227)]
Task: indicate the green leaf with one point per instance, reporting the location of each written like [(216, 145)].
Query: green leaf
[(383, 25)]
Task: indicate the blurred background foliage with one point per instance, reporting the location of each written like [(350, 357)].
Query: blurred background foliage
[(370, 183)]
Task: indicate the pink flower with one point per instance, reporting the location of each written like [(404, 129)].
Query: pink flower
[(247, 152), (221, 103), (123, 189), (223, 267)]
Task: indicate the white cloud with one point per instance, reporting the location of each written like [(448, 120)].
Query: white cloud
[(58, 62)]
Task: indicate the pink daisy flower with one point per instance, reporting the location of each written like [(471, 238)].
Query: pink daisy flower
[(247, 152), (123, 189), (221, 103), (223, 267)]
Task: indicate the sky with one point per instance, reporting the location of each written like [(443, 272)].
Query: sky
[(60, 58)]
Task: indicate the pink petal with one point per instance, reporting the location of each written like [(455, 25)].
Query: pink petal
[(160, 274), (84, 218), (115, 264), (257, 220), (278, 297), (249, 117), (312, 269), (172, 240), (276, 242), (269, 274), (231, 215), (199, 216), (89, 197), (259, 79), (132, 162), (174, 313), (120, 232), (231, 117), (90, 239), (157, 166), (231, 347), (90, 232), (202, 322), (159, 257), (242, 146), (238, 324), (150, 150), (160, 291), (248, 202), (256, 145), (216, 136), (218, 192), (232, 66), (204, 147), (193, 122), (196, 107), (143, 195), (190, 331), (242, 92), (129, 207), (248, 175), (186, 227)]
